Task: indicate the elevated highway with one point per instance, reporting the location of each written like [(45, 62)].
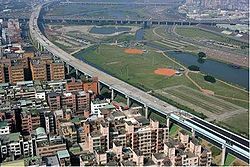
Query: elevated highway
[(139, 21), (123, 3), (228, 141)]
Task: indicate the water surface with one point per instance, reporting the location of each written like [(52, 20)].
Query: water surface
[(217, 69)]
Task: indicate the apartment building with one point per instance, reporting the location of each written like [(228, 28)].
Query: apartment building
[(30, 119), (48, 147), (68, 131), (16, 72), (64, 157), (183, 152), (82, 104), (90, 85), (14, 145), (98, 139), (38, 70), (2, 78), (78, 102), (54, 101), (4, 128), (57, 71)]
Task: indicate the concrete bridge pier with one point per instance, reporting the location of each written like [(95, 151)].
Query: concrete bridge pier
[(146, 111), (167, 121), (112, 94), (223, 155), (128, 101), (193, 132), (68, 68), (77, 73)]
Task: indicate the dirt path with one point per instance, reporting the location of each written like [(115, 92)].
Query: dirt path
[(226, 115), (186, 71), (173, 31)]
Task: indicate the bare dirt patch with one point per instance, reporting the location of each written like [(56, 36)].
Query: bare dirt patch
[(165, 71), (134, 51)]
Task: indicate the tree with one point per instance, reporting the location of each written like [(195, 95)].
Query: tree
[(210, 78), (194, 68), (201, 61), (202, 55)]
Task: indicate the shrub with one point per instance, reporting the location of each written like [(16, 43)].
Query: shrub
[(202, 55), (194, 68), (215, 151), (210, 78)]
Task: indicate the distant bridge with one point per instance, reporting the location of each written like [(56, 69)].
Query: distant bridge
[(137, 21), (123, 3), (83, 20)]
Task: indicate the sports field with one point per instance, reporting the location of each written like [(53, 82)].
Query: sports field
[(133, 51), (137, 69)]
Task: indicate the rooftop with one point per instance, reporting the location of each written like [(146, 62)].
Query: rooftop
[(128, 163), (159, 156), (63, 154), (40, 131), (142, 120), (3, 124), (19, 163), (14, 136), (51, 161)]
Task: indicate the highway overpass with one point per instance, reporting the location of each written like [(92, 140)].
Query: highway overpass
[(89, 20), (229, 141), (123, 3)]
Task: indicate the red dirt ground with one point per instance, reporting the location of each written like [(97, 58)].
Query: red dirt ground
[(165, 72), (133, 51)]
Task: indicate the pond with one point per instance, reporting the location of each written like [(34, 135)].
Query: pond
[(108, 30), (217, 69)]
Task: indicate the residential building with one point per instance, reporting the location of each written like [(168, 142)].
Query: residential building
[(38, 69), (2, 77), (16, 73), (57, 71), (4, 128)]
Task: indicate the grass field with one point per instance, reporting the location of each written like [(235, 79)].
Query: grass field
[(229, 160), (200, 34), (223, 89), (198, 101), (196, 33), (167, 40), (174, 130), (138, 70), (135, 69), (238, 123)]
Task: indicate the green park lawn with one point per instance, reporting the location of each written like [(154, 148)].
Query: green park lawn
[(137, 70), (238, 123), (222, 89), (229, 160)]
